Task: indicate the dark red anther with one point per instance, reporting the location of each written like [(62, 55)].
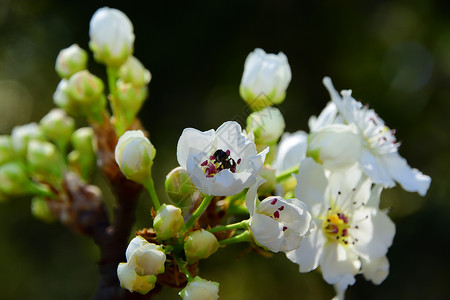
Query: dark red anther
[(276, 214), (228, 152), (274, 201), (204, 163), (281, 208), (284, 228), (238, 161), (344, 232)]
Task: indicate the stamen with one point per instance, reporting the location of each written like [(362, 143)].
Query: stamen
[(276, 214), (274, 201)]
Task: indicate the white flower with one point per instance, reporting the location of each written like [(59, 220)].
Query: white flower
[(200, 244), (222, 162), (200, 289), (134, 282), (70, 61), (350, 229), (168, 222), (379, 157), (134, 154), (267, 125), (146, 258), (276, 223), (111, 36), (265, 79)]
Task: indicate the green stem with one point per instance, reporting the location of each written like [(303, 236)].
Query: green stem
[(112, 78), (239, 225), (182, 267), (150, 186), (286, 174), (243, 237), (198, 212)]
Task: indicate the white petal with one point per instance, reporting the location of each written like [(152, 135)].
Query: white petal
[(339, 266), (410, 179), (308, 255), (374, 234), (375, 168), (229, 137), (376, 269), (326, 117), (135, 243), (291, 151), (226, 183), (193, 139), (267, 232), (312, 186)]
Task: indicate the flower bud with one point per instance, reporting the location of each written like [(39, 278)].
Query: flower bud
[(267, 125), (200, 245), (41, 211), (335, 146), (179, 186), (87, 90), (43, 157), (134, 72), (130, 99), (21, 135), (64, 100), (168, 222), (146, 258), (6, 149), (265, 79), (134, 154), (200, 289), (14, 180), (83, 158), (70, 61), (58, 126), (111, 36), (134, 282)]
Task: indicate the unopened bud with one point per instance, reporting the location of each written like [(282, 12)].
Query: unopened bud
[(134, 154), (134, 72), (168, 222), (146, 258), (14, 180), (267, 125), (200, 288), (179, 186), (200, 245), (87, 89), (44, 158), (6, 149), (64, 100), (83, 157), (57, 126), (134, 282), (265, 79), (130, 98), (21, 135), (111, 36), (70, 61)]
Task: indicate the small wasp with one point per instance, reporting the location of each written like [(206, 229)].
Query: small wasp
[(226, 162)]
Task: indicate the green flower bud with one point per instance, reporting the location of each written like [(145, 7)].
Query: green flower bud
[(134, 154), (130, 99), (267, 125), (41, 211), (15, 181), (179, 187), (83, 157), (134, 282), (134, 72), (70, 61), (200, 244), (168, 222), (64, 100), (44, 158), (58, 127), (21, 135), (200, 288), (6, 149), (87, 90)]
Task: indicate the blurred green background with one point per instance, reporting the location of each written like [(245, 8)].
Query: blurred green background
[(395, 55)]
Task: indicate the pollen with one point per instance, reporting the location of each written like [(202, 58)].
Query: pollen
[(336, 227)]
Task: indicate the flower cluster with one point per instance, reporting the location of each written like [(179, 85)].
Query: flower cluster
[(313, 196)]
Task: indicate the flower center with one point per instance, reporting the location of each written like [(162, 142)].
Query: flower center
[(219, 161), (336, 227), (379, 137)]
